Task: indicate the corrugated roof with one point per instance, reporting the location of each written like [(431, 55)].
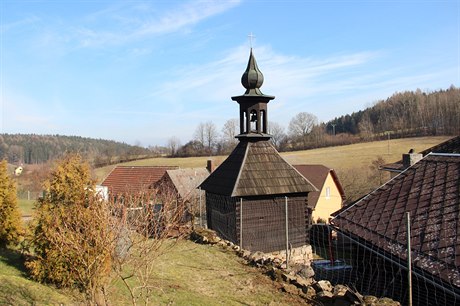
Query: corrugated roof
[(317, 174), (429, 190), (449, 146), (133, 179), (186, 181), (256, 169)]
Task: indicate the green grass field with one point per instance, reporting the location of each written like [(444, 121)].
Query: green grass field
[(339, 158), (26, 206)]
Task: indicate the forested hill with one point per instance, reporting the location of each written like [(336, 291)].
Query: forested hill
[(410, 113), (35, 149)]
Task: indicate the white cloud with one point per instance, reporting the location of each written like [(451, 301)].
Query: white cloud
[(131, 25)]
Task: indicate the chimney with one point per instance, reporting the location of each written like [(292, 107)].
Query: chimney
[(409, 159), (210, 166)]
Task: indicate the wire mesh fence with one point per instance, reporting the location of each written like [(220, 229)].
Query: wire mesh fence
[(373, 269)]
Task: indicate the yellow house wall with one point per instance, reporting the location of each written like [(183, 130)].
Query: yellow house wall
[(327, 205)]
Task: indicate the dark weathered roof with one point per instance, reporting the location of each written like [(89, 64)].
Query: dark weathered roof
[(133, 178), (449, 146), (317, 175), (186, 181), (429, 191), (256, 169)]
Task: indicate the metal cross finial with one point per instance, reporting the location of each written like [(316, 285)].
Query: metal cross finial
[(251, 37)]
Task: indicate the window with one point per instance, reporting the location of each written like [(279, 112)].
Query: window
[(328, 192)]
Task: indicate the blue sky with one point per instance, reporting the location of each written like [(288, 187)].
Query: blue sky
[(144, 71)]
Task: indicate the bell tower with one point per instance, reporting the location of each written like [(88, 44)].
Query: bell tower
[(253, 105)]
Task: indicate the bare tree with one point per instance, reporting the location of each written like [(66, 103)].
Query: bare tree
[(277, 132), (173, 145), (211, 135), (302, 124), (229, 131), (200, 133), (207, 135)]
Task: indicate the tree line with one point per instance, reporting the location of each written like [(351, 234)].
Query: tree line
[(38, 149), (404, 114)]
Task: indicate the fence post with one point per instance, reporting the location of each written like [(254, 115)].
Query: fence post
[(287, 231), (409, 258), (241, 223), (201, 216)]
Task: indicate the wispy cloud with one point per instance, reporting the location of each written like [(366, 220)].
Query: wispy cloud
[(130, 25)]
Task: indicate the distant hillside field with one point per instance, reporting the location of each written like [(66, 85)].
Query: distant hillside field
[(340, 158)]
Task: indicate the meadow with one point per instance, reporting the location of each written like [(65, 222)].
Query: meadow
[(339, 158)]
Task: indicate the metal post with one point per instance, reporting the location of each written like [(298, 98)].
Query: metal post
[(201, 216), (409, 258), (287, 232), (241, 223)]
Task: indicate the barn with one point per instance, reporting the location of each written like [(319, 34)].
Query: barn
[(255, 198)]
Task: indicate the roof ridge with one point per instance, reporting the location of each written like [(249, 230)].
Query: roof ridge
[(246, 149)]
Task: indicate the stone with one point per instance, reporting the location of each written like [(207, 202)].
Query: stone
[(370, 300), (341, 301), (323, 285), (276, 274), (340, 290), (301, 282), (236, 248), (306, 271), (246, 254), (288, 278), (387, 302), (309, 291)]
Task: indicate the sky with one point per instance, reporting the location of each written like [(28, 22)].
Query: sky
[(142, 72)]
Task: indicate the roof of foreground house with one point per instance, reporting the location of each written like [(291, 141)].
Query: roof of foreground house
[(133, 179), (317, 175), (256, 169), (451, 145), (429, 191)]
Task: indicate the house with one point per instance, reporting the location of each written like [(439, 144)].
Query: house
[(449, 146), (255, 198), (133, 179), (184, 182), (330, 195), (429, 191)]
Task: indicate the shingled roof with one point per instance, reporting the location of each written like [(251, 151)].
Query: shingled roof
[(133, 179), (451, 145), (186, 181), (429, 190), (256, 169), (317, 175)]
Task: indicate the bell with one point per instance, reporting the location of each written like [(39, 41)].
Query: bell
[(253, 117)]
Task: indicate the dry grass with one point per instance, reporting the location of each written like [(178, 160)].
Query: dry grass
[(341, 157)]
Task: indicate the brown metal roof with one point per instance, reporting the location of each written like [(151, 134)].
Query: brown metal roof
[(429, 190), (186, 181), (317, 174), (449, 146), (256, 169), (133, 179)]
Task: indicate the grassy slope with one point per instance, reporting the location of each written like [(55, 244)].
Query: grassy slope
[(341, 157), (188, 274), (193, 274), (16, 289)]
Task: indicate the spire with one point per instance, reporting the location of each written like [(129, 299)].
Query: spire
[(252, 78)]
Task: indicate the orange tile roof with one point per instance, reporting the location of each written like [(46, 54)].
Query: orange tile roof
[(133, 179)]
